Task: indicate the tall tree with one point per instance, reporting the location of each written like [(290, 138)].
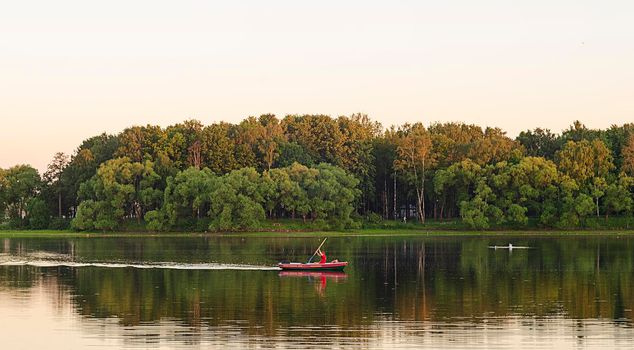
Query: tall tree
[(587, 163), (539, 143), (21, 184), (628, 156), (414, 157), (53, 177), (217, 148), (584, 160), (271, 135)]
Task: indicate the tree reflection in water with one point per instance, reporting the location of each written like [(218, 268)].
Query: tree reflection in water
[(394, 287)]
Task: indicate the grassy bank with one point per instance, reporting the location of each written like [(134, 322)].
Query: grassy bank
[(288, 227)]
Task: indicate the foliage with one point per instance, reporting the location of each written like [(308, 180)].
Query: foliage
[(19, 185), (327, 171), (121, 188), (38, 216), (414, 157)]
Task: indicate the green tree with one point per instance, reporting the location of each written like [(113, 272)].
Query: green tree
[(217, 148), (628, 155), (333, 194), (271, 135), (22, 183), (588, 163), (38, 216), (575, 210), (292, 152), (187, 196), (53, 177), (84, 164), (414, 158), (121, 188), (297, 199), (539, 143), (236, 203), (618, 196)]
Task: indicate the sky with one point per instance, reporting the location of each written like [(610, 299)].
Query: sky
[(72, 69)]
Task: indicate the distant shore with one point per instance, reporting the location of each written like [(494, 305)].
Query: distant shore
[(310, 233)]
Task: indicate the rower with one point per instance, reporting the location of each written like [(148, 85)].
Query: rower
[(322, 255)]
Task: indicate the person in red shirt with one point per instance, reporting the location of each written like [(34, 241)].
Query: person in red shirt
[(323, 256)]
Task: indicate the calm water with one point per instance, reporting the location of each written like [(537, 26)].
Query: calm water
[(398, 292)]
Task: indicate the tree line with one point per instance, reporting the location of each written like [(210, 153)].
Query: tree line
[(335, 171)]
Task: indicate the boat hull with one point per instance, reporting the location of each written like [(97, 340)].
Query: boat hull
[(332, 266), (333, 275)]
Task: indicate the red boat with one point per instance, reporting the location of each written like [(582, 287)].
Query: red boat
[(331, 266), (332, 275)]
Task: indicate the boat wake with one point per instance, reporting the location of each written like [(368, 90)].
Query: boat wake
[(21, 261)]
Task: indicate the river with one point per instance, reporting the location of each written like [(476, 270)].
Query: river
[(572, 291)]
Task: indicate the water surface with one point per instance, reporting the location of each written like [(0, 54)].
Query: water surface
[(398, 292)]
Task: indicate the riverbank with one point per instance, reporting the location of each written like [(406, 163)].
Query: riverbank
[(296, 227), (316, 233)]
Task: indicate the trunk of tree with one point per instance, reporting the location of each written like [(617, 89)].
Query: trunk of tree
[(59, 204), (395, 213), (597, 207), (420, 193), (422, 200), (137, 211)]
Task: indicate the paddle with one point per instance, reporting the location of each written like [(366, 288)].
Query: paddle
[(322, 243)]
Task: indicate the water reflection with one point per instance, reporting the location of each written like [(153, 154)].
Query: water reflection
[(446, 292)]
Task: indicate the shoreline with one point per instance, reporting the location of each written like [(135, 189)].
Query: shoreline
[(315, 233)]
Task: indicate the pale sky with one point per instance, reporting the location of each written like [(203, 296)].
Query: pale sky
[(73, 69)]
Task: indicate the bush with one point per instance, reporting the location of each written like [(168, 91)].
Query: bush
[(59, 224), (375, 218), (38, 217)]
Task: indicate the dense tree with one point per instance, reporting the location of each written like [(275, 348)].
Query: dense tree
[(196, 176), (186, 197), (588, 163), (121, 188)]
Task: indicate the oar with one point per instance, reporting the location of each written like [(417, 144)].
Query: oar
[(322, 243)]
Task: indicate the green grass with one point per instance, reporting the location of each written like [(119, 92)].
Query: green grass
[(297, 228)]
